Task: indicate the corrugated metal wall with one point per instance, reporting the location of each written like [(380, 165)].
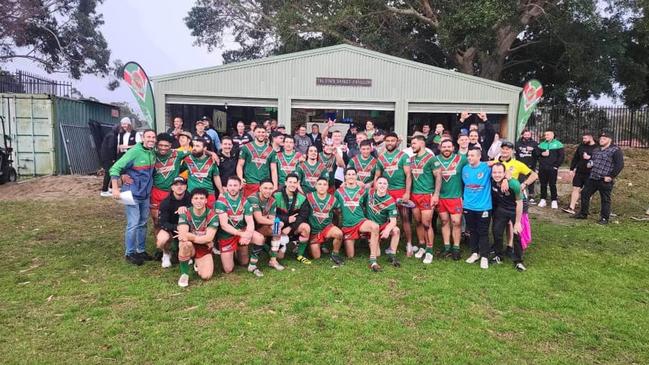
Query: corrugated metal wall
[(33, 123)]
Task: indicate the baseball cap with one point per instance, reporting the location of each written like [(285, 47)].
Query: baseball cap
[(186, 134), (281, 126), (179, 179), (205, 118), (507, 144)]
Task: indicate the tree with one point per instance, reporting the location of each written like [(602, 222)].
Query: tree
[(503, 40), (58, 35), (632, 70)]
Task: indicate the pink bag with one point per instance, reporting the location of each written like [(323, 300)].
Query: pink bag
[(526, 234)]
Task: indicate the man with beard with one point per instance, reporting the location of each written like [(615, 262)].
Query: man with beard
[(322, 206), (237, 230), (203, 171), (382, 210), (450, 203), (293, 212), (426, 186), (332, 161), (254, 163), (263, 208), (352, 198), (311, 170), (286, 161), (551, 158), (476, 177), (527, 152), (579, 169), (507, 210), (196, 230), (607, 162), (364, 164), (394, 165)]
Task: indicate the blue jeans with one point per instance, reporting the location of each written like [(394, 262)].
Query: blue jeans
[(136, 217)]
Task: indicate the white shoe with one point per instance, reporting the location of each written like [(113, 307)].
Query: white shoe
[(409, 245), (542, 203), (484, 263), (254, 270), (277, 266), (166, 260), (428, 258), (554, 204), (183, 282), (520, 267), (419, 252), (106, 194), (473, 258)]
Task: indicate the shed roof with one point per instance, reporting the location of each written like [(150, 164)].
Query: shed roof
[(332, 50)]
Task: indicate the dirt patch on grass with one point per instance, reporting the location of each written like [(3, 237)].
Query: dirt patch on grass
[(51, 188)]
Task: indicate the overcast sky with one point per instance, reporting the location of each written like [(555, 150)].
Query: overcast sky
[(151, 32)]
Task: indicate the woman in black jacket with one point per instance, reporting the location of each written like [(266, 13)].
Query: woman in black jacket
[(108, 155)]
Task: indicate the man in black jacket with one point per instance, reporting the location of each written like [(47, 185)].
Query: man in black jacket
[(108, 155), (316, 137), (579, 169), (173, 205), (551, 157), (527, 152), (606, 164)]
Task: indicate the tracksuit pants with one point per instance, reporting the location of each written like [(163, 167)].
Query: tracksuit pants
[(548, 176)]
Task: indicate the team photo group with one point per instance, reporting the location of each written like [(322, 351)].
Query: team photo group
[(262, 195)]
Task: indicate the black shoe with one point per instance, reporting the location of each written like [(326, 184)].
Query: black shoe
[(134, 259), (338, 261), (603, 221), (157, 255), (446, 254), (579, 216), (144, 256), (455, 255), (393, 260)]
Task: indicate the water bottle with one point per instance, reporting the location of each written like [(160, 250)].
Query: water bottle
[(276, 227)]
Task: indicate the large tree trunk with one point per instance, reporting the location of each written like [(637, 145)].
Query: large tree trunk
[(491, 65)]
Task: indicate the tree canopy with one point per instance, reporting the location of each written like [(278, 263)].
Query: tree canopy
[(577, 48), (58, 35)]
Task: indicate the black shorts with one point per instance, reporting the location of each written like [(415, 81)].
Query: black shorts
[(580, 180)]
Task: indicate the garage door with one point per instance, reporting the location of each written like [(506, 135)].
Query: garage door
[(347, 105), (218, 100), (457, 107)]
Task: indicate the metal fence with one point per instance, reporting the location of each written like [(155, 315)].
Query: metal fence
[(21, 82), (629, 126)]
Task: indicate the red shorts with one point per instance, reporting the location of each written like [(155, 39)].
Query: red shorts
[(229, 244), (397, 194), (354, 232), (321, 237), (381, 228), (250, 189), (201, 250), (211, 199), (450, 206), (422, 201), (157, 196)]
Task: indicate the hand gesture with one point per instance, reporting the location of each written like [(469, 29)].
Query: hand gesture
[(464, 116), (482, 116)]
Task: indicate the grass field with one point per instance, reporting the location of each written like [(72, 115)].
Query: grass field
[(67, 296)]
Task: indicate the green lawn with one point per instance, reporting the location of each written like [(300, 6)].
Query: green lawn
[(67, 296)]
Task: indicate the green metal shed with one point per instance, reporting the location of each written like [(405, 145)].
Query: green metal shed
[(306, 85)]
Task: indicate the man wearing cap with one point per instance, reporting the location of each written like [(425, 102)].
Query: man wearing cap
[(527, 152), (378, 143), (607, 162), (127, 137), (209, 129), (255, 163), (580, 169), (201, 126), (281, 128), (170, 208), (240, 136)]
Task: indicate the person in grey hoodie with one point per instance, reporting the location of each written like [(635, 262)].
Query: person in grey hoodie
[(302, 140)]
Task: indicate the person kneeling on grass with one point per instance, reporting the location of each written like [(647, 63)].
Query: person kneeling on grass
[(352, 198), (507, 208), (263, 208), (196, 230), (322, 206), (382, 210), (293, 212), (237, 229), (171, 208)]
